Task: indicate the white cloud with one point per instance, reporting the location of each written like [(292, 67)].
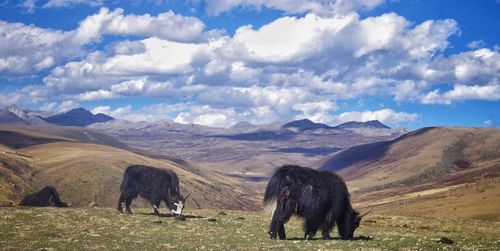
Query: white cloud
[(55, 107), (71, 3), (319, 111), (328, 7), (26, 49), (476, 44), (461, 93), (166, 25), (301, 34), (384, 115)]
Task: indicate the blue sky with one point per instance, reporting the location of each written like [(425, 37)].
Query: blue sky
[(410, 63)]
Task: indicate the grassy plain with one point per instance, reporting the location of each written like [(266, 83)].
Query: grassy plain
[(105, 229)]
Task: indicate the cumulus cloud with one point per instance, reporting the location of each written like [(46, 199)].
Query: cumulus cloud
[(476, 44), (322, 7), (27, 49), (461, 93), (384, 115), (71, 3), (167, 25), (55, 107)]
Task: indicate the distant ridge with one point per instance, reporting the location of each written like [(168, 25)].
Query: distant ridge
[(78, 117), (304, 125), (14, 115), (355, 124), (243, 125)]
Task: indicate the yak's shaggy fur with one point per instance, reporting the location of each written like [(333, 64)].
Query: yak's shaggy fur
[(46, 197), (319, 197), (152, 184)]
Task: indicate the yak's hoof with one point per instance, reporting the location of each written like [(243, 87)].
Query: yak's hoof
[(272, 235), (282, 237), (307, 237), (326, 237)]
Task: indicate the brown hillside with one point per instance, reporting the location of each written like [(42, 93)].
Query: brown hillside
[(16, 170), (438, 171), (84, 172)]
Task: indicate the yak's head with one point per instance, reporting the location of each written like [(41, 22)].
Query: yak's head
[(351, 223), (180, 204)]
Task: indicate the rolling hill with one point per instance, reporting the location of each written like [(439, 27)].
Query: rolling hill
[(431, 171), (89, 170)]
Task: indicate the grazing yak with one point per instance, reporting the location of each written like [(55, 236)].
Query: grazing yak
[(46, 197), (319, 197), (154, 185)]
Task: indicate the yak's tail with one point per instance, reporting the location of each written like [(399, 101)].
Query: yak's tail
[(127, 176), (273, 190)]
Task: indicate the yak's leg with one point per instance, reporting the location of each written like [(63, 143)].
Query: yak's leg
[(120, 202), (128, 202), (280, 217), (275, 224), (311, 227), (325, 230), (156, 206), (328, 225)]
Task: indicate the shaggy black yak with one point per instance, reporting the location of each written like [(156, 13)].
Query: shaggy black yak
[(154, 185), (46, 197), (319, 197)]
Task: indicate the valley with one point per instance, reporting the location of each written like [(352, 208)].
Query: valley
[(436, 171)]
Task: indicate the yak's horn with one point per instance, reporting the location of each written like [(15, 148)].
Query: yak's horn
[(70, 204), (366, 213), (188, 196)]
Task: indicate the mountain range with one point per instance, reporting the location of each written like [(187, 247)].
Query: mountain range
[(441, 171), (246, 149), (243, 149), (75, 117)]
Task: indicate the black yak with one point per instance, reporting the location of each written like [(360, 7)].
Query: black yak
[(154, 185), (319, 197), (46, 197)]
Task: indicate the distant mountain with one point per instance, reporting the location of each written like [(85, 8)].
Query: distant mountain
[(15, 115), (243, 125), (304, 125), (78, 117), (7, 117), (367, 124), (243, 149)]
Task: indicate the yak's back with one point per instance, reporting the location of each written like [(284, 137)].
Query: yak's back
[(42, 197), (304, 175), (297, 177), (147, 174)]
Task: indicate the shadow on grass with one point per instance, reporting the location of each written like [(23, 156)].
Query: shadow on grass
[(359, 238), (172, 216)]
